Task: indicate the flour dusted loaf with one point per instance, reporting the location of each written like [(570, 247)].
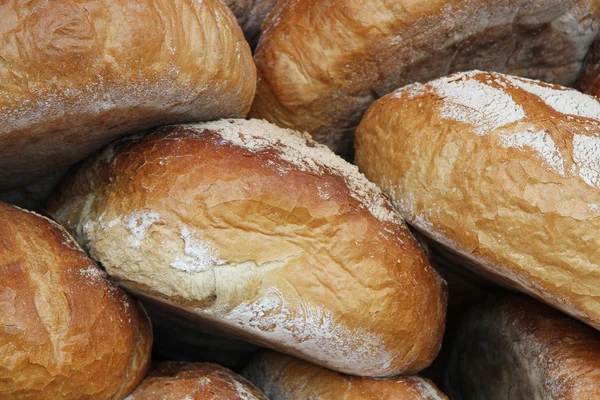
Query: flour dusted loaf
[(250, 15), (283, 377), (502, 171), (75, 75), (67, 332), (513, 347), (194, 381), (322, 63), (261, 232)]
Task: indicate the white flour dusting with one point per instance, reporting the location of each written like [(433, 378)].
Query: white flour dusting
[(473, 102), (301, 151), (310, 330), (542, 144), (427, 390), (199, 256), (138, 224), (586, 154), (563, 100)]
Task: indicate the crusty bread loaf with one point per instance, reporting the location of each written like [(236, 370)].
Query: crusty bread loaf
[(67, 332), (589, 82), (262, 232), (513, 347), (322, 63), (283, 377), (197, 381), (74, 75), (250, 15), (502, 171)]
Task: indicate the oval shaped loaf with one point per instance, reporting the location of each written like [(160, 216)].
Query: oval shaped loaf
[(266, 234), (68, 333), (322, 63), (502, 171), (76, 75), (283, 377), (194, 381), (514, 347)]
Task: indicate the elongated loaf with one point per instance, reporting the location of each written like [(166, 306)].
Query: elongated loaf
[(75, 75), (283, 377), (194, 381), (513, 347), (67, 332), (322, 63), (261, 232), (502, 171)]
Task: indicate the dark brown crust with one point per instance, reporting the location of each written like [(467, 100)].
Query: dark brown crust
[(68, 332), (590, 77), (75, 75), (199, 381), (515, 347), (367, 275)]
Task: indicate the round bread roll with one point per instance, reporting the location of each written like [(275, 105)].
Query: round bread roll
[(283, 377), (513, 347), (261, 232), (198, 381), (250, 15), (502, 171), (76, 75), (322, 63), (590, 78), (68, 333)]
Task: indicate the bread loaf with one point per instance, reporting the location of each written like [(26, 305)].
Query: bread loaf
[(513, 347), (502, 171), (261, 232), (76, 75), (322, 63), (67, 332), (250, 15), (283, 377), (199, 381)]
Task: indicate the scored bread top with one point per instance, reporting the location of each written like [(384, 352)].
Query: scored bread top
[(263, 232), (503, 170)]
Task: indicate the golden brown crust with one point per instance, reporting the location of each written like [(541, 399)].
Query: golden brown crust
[(194, 381), (265, 233), (515, 347), (502, 171), (589, 81), (76, 75), (321, 63), (68, 333), (283, 377)]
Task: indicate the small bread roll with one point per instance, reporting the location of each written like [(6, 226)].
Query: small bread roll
[(67, 332), (261, 232), (283, 377), (322, 63), (75, 75), (198, 381), (589, 81), (513, 347), (250, 15), (502, 171)]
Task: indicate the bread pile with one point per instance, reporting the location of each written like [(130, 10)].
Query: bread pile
[(156, 237)]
